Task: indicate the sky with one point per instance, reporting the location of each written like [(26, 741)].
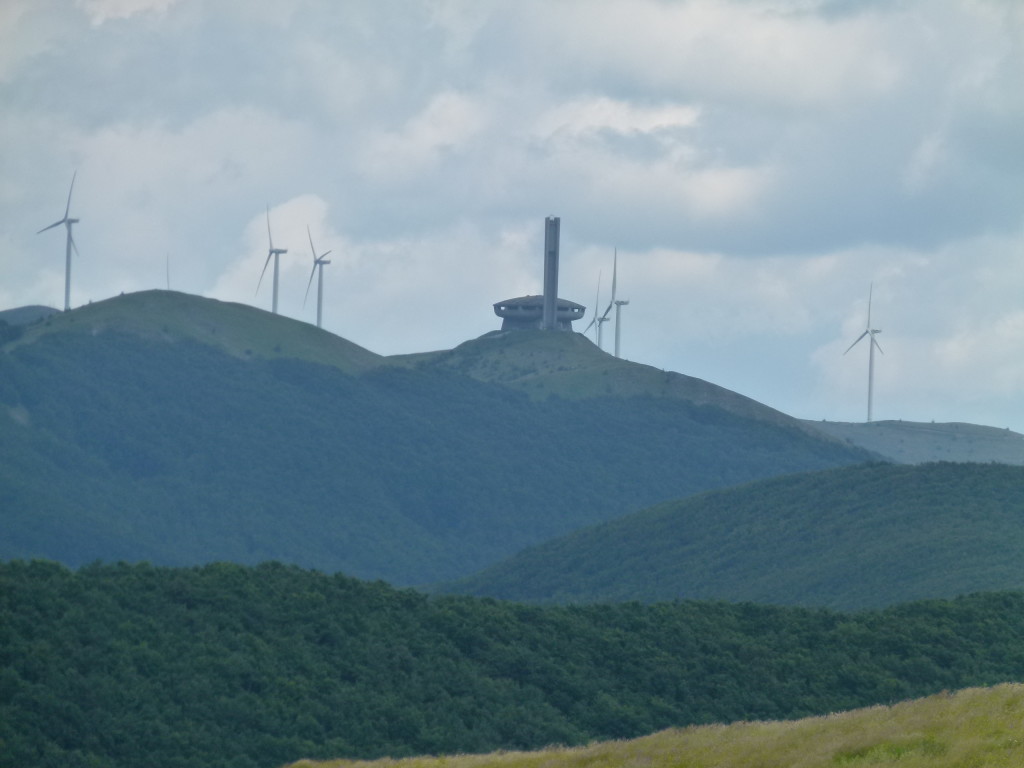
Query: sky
[(759, 166)]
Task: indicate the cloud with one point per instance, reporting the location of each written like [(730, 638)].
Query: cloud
[(445, 126), (757, 163), (100, 11)]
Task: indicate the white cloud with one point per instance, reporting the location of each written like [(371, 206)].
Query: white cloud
[(444, 126), (583, 116), (750, 50), (100, 11)]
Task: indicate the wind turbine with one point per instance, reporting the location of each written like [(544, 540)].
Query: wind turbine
[(618, 323), (603, 318), (619, 304), (275, 252), (869, 332), (67, 221), (318, 262), (598, 321)]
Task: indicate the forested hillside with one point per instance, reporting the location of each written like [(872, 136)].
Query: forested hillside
[(854, 537), (225, 665), (168, 436)]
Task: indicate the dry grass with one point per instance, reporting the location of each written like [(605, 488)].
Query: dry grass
[(973, 728)]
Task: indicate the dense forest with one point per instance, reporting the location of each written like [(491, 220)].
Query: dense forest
[(225, 665), (116, 446), (864, 536)]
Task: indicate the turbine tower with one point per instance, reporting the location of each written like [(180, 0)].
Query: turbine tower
[(869, 332), (318, 263), (275, 252), (618, 323), (67, 221)]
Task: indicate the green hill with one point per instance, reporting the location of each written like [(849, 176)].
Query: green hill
[(848, 538), (123, 666), (976, 726), (236, 329), (180, 430)]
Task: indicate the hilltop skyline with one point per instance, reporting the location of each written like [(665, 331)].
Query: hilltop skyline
[(757, 165)]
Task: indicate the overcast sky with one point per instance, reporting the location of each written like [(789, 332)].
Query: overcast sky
[(757, 163)]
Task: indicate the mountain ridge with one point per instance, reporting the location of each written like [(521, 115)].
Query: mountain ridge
[(848, 538), (540, 364), (185, 430)]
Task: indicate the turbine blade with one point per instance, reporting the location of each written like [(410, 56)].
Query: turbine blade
[(67, 208), (615, 274), (609, 309), (55, 224), (856, 342), (265, 263), (875, 342), (72, 239), (323, 254), (270, 238), (311, 273), (871, 289), (311, 243), (597, 303)]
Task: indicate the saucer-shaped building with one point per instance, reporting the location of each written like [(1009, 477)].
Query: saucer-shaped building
[(527, 313)]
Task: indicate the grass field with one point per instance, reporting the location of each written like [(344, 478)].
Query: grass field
[(978, 727)]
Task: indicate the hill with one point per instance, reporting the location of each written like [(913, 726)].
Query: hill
[(224, 665), (165, 427), (848, 538), (569, 365), (236, 329), (25, 315), (976, 726), (910, 442)]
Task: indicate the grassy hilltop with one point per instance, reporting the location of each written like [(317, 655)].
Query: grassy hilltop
[(973, 727)]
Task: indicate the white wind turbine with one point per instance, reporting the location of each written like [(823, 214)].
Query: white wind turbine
[(271, 252), (598, 321), (603, 318), (869, 332), (318, 263), (67, 221)]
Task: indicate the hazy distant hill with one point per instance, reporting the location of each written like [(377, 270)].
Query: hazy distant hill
[(848, 538), (226, 666), (26, 315), (909, 442), (181, 430)]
